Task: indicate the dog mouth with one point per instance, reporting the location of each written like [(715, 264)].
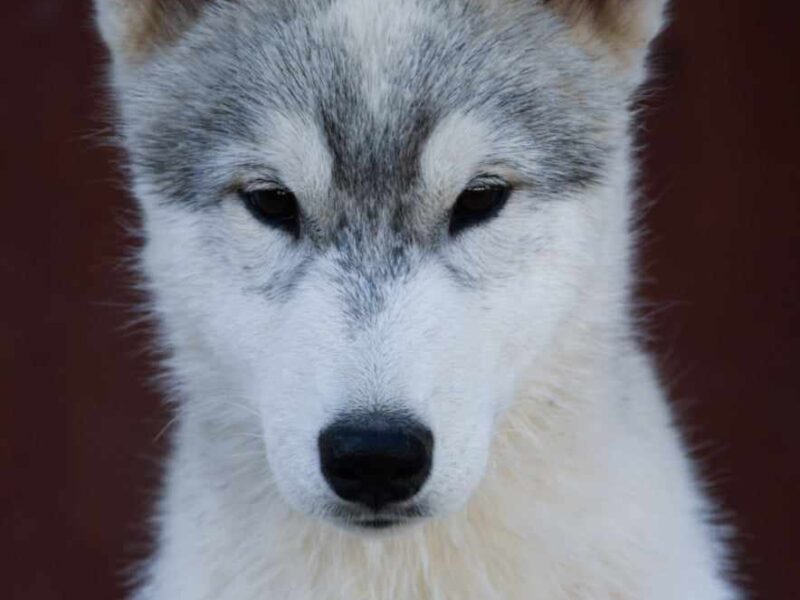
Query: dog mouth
[(378, 524), (356, 519)]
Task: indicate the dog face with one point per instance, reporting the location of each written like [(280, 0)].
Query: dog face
[(366, 221)]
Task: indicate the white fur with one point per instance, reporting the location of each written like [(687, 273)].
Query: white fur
[(558, 473), (580, 499)]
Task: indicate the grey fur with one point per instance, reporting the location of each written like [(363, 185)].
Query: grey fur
[(244, 61), (211, 88)]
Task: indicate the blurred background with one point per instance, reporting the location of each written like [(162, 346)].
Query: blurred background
[(81, 427)]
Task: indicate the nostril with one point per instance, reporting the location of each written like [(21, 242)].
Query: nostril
[(376, 459)]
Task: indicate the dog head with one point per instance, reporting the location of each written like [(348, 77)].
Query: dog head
[(367, 221)]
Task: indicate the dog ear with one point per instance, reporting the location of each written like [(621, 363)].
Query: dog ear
[(132, 29), (622, 29)]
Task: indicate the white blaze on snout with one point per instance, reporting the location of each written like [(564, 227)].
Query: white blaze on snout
[(418, 355), (423, 354)]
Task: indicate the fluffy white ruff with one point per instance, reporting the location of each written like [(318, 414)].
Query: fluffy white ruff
[(588, 495)]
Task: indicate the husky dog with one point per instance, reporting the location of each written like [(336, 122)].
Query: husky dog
[(389, 245)]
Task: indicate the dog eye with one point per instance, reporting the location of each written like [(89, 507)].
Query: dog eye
[(276, 207), (478, 204)]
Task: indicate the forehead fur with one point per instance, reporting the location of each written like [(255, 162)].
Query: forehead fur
[(370, 82)]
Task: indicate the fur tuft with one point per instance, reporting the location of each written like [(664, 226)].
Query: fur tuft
[(134, 28), (621, 28)]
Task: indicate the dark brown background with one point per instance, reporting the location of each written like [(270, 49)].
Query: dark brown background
[(79, 421)]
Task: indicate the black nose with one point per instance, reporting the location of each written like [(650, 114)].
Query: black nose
[(376, 459)]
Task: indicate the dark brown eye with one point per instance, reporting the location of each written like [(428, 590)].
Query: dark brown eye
[(477, 205), (276, 207)]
